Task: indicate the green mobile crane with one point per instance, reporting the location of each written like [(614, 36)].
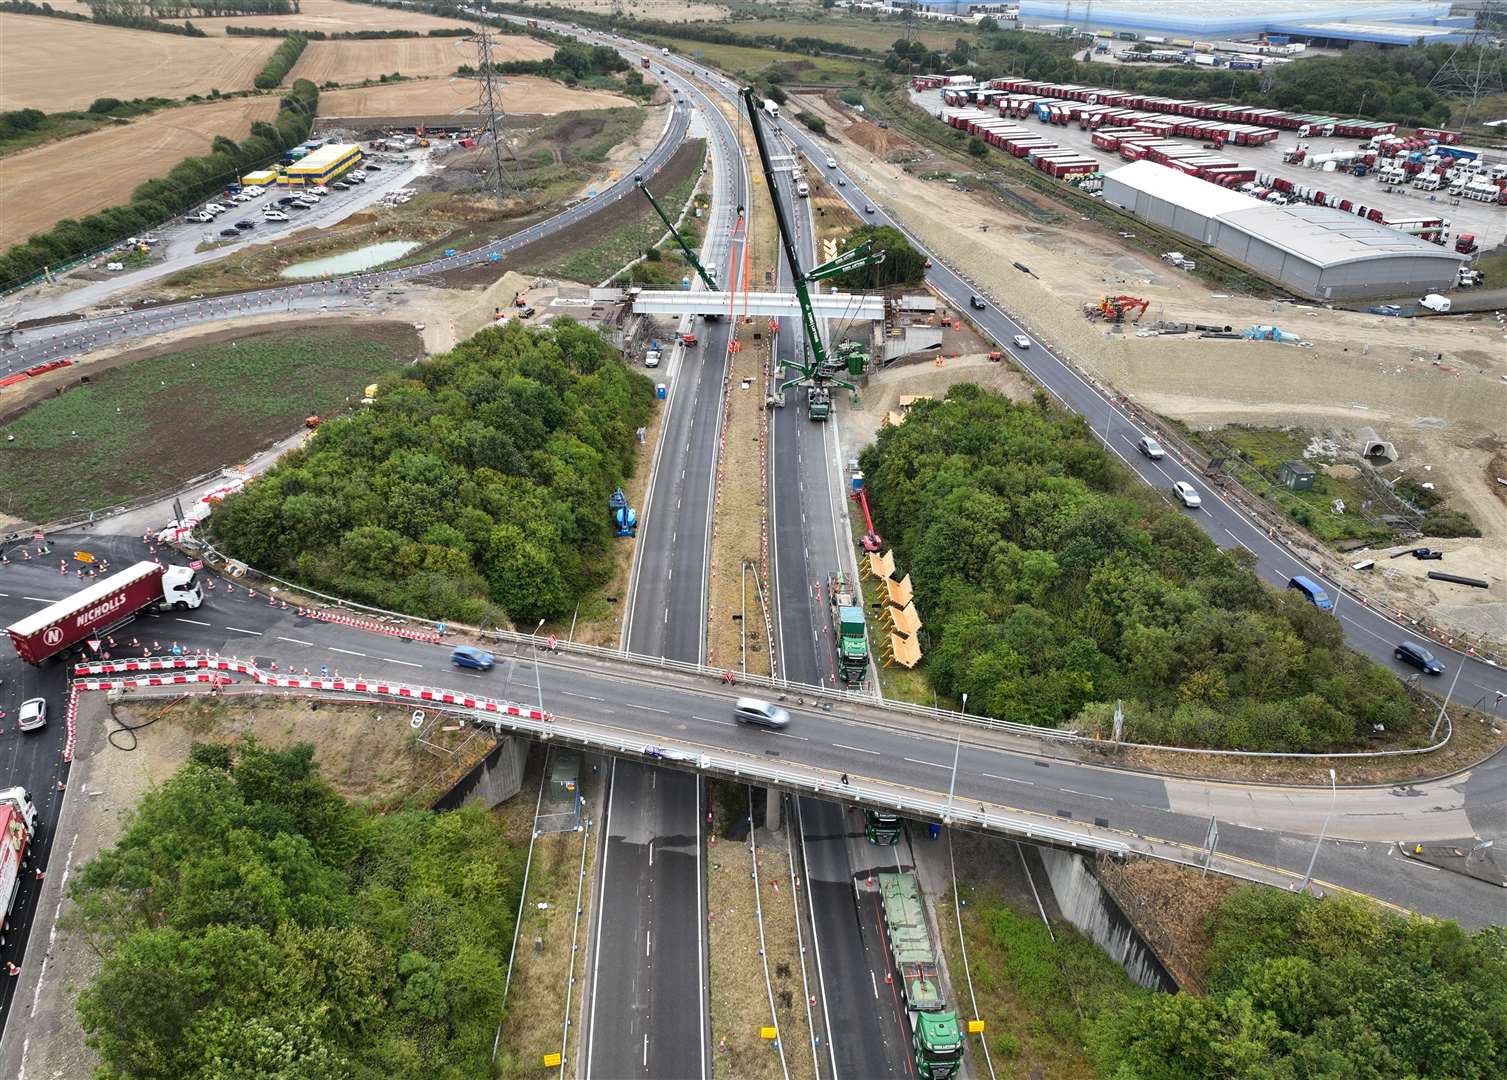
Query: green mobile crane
[(815, 366)]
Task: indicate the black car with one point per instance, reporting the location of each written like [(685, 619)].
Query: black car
[(976, 303), (286, 200), (296, 205), (230, 232), (372, 168), (340, 185), (1419, 657), (1427, 553), (244, 225)]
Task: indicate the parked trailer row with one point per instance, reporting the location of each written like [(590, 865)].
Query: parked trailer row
[(1202, 110), (1044, 154)]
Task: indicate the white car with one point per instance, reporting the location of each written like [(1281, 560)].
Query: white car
[(651, 358), (1151, 448), (33, 714), (274, 215), (831, 162), (1021, 341), (1187, 494)]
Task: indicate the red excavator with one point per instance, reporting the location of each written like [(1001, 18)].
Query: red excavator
[(1117, 308)]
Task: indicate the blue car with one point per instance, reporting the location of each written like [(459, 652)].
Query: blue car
[(1419, 657), (468, 656)]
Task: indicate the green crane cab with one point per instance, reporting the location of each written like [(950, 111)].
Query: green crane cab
[(881, 827)]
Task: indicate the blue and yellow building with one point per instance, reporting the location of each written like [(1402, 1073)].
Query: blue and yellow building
[(321, 166)]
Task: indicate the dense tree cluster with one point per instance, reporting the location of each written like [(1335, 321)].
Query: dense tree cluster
[(903, 264), (474, 488), (1334, 988), (1053, 584), (276, 69), (153, 202), (252, 923)]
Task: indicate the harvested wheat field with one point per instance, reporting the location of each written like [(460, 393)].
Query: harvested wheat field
[(106, 61), (326, 16), (520, 94), (353, 61), (658, 10), (78, 176)]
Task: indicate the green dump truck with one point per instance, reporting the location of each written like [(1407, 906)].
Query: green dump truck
[(848, 631), (936, 1036)]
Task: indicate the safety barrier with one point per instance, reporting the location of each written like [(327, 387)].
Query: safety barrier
[(429, 637), (201, 668)]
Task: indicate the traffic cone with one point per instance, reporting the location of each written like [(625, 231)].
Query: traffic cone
[(41, 873), (62, 786), (11, 968)]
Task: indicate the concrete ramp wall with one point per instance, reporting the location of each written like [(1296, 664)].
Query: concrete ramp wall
[(1086, 904)]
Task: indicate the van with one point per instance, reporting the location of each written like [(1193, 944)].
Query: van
[(1313, 591), (747, 710), (651, 358)]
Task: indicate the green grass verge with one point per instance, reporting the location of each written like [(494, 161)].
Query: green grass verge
[(147, 425), (1494, 266), (602, 259), (861, 31), (748, 61)]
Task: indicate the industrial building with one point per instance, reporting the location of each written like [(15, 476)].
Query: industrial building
[(322, 165), (1384, 22), (1314, 251)]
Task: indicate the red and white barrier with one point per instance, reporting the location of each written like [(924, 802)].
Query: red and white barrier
[(184, 670), (427, 636)]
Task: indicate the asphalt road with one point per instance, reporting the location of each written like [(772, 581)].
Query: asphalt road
[(646, 1013)]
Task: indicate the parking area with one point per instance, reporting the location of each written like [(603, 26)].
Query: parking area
[(1486, 222)]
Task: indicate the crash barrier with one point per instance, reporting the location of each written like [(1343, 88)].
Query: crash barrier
[(429, 637), (182, 670)]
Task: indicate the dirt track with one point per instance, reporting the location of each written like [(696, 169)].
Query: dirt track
[(64, 179), (520, 94), (107, 61), (1362, 370)]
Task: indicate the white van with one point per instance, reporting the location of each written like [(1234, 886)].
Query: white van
[(651, 358)]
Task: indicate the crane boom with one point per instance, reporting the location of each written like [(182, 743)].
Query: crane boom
[(638, 181)]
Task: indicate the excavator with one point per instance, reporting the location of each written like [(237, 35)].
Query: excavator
[(1116, 308), (815, 367)]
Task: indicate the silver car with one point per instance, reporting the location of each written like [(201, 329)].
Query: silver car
[(33, 714), (749, 710)]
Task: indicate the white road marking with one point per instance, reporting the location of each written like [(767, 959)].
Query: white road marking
[(346, 651), (296, 641), (933, 764), (709, 720), (874, 982), (1239, 541), (238, 630), (405, 663), (1010, 779), (40, 599), (1085, 794), (194, 622), (855, 749)]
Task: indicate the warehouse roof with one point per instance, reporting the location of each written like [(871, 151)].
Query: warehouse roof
[(322, 158), (1329, 237), (1186, 191)]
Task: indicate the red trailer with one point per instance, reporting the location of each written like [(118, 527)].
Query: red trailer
[(102, 606), (18, 824)]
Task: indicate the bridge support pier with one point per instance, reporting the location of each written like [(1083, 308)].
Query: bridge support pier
[(774, 799)]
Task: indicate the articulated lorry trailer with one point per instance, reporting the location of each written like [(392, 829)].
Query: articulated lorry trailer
[(936, 1037), (101, 607), (848, 631)]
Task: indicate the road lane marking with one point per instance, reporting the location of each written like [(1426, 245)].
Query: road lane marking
[(238, 630), (855, 749), (40, 599), (933, 764), (195, 622), (645, 708), (1239, 541), (1009, 779), (296, 641), (1085, 794), (709, 720), (346, 651), (405, 663)]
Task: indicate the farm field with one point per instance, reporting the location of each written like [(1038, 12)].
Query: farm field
[(747, 60), (866, 33), (155, 418), (520, 94), (353, 61), (64, 179), (328, 16), (658, 10), (107, 61)]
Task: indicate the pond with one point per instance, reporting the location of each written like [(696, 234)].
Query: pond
[(350, 261)]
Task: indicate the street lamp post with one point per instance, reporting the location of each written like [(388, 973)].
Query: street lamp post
[(1445, 703), (1334, 794), (957, 748), (538, 684)]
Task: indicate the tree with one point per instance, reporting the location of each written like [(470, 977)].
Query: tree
[(977, 147), (903, 264)]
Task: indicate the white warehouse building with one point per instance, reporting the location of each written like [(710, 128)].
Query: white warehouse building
[(1315, 251)]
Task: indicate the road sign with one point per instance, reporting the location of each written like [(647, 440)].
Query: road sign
[(83, 557), (975, 1027), (417, 719), (769, 1033), (38, 535), (197, 564), (94, 643), (552, 1061)]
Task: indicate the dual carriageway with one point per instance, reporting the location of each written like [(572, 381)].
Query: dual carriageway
[(649, 1019)]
